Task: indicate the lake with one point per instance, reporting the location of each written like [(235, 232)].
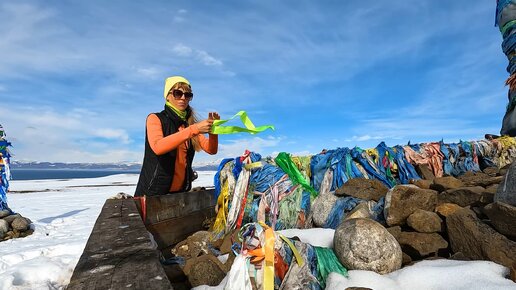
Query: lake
[(29, 174)]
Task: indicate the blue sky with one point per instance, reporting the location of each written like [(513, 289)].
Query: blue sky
[(78, 78)]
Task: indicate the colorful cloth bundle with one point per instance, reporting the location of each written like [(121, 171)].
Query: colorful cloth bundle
[(5, 174), (272, 261), (506, 21), (279, 192)]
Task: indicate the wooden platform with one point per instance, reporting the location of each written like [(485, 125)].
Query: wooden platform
[(119, 253)]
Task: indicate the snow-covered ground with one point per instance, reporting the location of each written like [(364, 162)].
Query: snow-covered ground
[(64, 212)]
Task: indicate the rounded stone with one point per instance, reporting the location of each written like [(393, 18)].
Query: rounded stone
[(20, 224), (10, 218), (425, 221), (4, 228), (364, 244), (321, 208), (4, 213)]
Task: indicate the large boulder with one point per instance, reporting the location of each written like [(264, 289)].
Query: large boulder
[(424, 171), (395, 231), (419, 245), (462, 196), (193, 246), (478, 241), (321, 208), (446, 209), (20, 224), (471, 178), (368, 189), (402, 200), (421, 183), (204, 270), (507, 189), (492, 188), (425, 221), (363, 244), (503, 218), (444, 183)]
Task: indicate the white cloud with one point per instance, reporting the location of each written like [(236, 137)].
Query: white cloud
[(296, 153), (116, 134), (207, 59), (256, 144), (364, 138), (43, 134), (182, 50), (149, 72), (202, 56), (179, 17)]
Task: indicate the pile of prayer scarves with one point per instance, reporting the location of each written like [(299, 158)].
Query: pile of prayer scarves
[(279, 191), (277, 262)]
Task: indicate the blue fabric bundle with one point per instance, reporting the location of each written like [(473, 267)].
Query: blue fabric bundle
[(406, 171), (264, 177), (4, 170), (358, 156), (505, 20), (383, 163), (339, 210), (216, 178), (318, 166), (469, 154), (447, 165)]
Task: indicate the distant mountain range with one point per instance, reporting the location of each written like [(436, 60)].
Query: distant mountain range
[(127, 166)]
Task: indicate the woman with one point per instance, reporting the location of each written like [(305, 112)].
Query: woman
[(172, 137)]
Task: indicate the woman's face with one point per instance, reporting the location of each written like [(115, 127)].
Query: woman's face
[(178, 98)]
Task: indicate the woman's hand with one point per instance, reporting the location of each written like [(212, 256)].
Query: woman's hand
[(204, 126), (213, 116)]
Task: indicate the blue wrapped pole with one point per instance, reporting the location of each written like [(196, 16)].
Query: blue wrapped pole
[(5, 175)]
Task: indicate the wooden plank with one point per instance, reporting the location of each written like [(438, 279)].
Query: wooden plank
[(173, 231), (119, 253), (164, 207)]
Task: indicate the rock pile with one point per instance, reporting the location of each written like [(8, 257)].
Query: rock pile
[(471, 217), (14, 226), (206, 262)]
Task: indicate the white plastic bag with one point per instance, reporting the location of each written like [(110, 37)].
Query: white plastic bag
[(238, 276)]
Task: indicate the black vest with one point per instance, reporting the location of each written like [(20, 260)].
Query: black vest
[(157, 171)]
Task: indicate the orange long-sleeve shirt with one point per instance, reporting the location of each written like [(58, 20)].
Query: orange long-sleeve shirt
[(179, 140)]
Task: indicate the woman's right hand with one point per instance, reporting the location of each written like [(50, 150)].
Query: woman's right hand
[(204, 126)]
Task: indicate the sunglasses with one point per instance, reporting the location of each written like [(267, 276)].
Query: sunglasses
[(178, 94)]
